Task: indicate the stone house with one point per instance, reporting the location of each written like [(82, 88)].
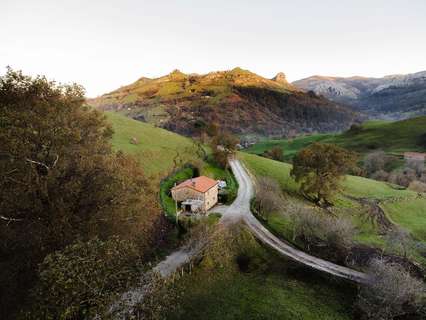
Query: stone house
[(196, 194)]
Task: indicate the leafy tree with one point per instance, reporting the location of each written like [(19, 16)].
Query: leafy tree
[(60, 181), (422, 140), (79, 281), (224, 145), (319, 168), (276, 153)]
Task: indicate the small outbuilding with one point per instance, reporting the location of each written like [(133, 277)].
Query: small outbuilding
[(196, 194)]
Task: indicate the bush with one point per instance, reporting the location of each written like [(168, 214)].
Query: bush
[(315, 228), (399, 241), (276, 153), (377, 161), (380, 175), (269, 196), (402, 177), (392, 292), (417, 186)]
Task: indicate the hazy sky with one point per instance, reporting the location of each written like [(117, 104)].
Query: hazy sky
[(104, 44)]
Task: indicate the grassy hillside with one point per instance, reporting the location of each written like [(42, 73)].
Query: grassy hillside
[(270, 288), (403, 207), (239, 100), (156, 148), (392, 137)]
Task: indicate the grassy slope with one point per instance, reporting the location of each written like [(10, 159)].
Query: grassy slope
[(273, 288), (266, 296), (156, 147), (409, 213), (393, 137)]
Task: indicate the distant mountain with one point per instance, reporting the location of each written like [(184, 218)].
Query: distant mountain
[(238, 100), (394, 96)]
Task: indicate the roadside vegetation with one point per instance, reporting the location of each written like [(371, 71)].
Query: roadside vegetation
[(362, 200), (366, 226)]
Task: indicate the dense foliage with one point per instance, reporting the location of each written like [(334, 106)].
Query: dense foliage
[(224, 145), (319, 168), (75, 285), (60, 181)]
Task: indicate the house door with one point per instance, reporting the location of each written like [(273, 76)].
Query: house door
[(188, 208)]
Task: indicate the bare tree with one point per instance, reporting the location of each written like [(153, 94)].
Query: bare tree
[(417, 165), (315, 227), (399, 241), (392, 292), (269, 197), (377, 161), (417, 186), (374, 161)]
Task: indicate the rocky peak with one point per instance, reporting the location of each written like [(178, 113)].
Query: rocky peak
[(280, 77)]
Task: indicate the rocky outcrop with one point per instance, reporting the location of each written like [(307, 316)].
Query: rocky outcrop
[(394, 96)]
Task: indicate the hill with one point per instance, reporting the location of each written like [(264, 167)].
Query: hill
[(157, 149), (392, 137), (394, 96), (239, 100), (404, 208)]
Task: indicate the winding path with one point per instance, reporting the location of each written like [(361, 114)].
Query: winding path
[(240, 209)]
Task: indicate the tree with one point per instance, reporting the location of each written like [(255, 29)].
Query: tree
[(60, 181), (316, 229), (75, 285), (422, 140), (399, 241), (319, 168), (378, 161), (391, 292), (269, 196), (224, 145), (276, 153)]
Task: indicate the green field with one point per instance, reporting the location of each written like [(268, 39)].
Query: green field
[(391, 137), (272, 288), (156, 147), (401, 206), (410, 214)]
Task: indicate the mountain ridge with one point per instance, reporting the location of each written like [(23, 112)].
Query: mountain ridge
[(239, 100), (395, 96)]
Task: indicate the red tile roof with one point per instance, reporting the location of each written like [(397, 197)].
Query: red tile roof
[(201, 184)]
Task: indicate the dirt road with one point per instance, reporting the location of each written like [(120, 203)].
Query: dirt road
[(240, 209)]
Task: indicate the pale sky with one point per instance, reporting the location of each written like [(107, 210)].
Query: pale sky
[(105, 44)]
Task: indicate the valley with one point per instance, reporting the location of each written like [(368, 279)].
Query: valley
[(200, 160), (284, 259)]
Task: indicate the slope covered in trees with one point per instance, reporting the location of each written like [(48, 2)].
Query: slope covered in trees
[(240, 101), (63, 189)]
